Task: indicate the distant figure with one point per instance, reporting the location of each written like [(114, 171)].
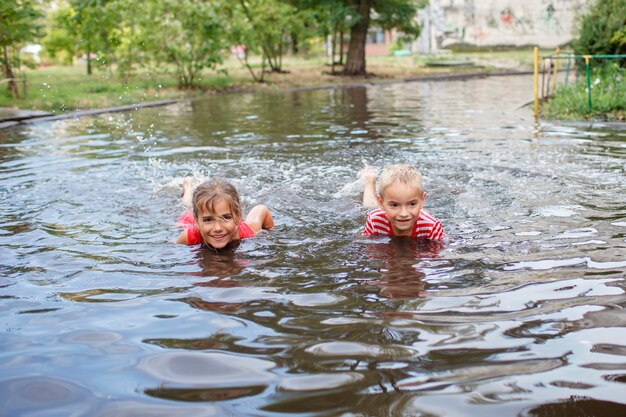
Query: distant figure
[(214, 215), (399, 204)]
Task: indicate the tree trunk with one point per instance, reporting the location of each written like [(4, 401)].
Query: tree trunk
[(333, 45), (8, 72), (295, 46), (88, 58), (355, 63), (341, 47)]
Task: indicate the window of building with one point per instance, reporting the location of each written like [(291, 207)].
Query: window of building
[(376, 35)]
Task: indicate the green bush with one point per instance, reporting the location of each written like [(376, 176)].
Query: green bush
[(608, 93), (602, 30)]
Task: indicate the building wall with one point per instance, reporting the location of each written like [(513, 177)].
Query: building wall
[(379, 42), (545, 23)]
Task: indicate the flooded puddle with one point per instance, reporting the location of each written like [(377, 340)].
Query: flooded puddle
[(521, 312)]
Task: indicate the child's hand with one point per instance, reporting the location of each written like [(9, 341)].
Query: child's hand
[(368, 174)]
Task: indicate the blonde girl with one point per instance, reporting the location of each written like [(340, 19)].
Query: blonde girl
[(215, 215)]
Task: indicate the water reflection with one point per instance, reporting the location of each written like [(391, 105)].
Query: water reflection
[(577, 406), (195, 376), (224, 264), (401, 276)]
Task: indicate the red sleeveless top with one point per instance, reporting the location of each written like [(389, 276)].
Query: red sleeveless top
[(194, 237)]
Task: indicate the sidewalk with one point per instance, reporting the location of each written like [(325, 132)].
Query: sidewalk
[(11, 117)]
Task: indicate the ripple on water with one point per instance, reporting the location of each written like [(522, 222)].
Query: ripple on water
[(135, 409), (546, 264), (525, 297), (557, 211), (29, 395), (488, 371), (108, 342), (578, 233), (318, 299), (358, 350), (576, 406), (210, 369), (320, 381)]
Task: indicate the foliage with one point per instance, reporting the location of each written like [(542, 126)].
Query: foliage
[(123, 34), (128, 36), (93, 22), (386, 14), (187, 34), (268, 27), (400, 15), (85, 27), (61, 39), (332, 19), (67, 88), (19, 24), (602, 30), (608, 93), (110, 30), (618, 40)]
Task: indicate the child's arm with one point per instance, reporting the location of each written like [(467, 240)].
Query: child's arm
[(182, 238), (187, 192), (369, 183), (260, 218)]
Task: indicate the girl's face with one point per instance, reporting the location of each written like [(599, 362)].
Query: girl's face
[(219, 227)]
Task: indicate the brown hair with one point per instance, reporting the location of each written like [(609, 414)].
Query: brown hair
[(405, 173), (206, 195)]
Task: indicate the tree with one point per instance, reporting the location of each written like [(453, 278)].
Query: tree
[(93, 22), (386, 14), (602, 30), (111, 29), (87, 26), (268, 27), (128, 36), (61, 37), (19, 24), (187, 34), (355, 62), (333, 20)]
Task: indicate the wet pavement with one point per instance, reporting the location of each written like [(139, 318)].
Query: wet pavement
[(11, 117)]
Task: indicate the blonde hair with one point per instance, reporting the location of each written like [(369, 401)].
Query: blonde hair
[(206, 195), (407, 174)]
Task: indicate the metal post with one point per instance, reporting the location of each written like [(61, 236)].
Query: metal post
[(536, 71), (556, 66), (543, 79), (588, 82)]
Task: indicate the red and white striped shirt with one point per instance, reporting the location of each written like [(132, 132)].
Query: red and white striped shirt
[(426, 226)]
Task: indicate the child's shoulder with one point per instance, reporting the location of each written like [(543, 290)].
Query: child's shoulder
[(377, 216), (186, 218), (377, 212), (426, 216)]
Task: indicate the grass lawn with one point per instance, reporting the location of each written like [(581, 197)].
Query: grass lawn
[(68, 88)]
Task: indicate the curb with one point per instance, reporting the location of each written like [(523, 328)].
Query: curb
[(13, 121)]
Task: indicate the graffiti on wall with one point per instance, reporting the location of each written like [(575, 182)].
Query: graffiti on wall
[(501, 22)]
